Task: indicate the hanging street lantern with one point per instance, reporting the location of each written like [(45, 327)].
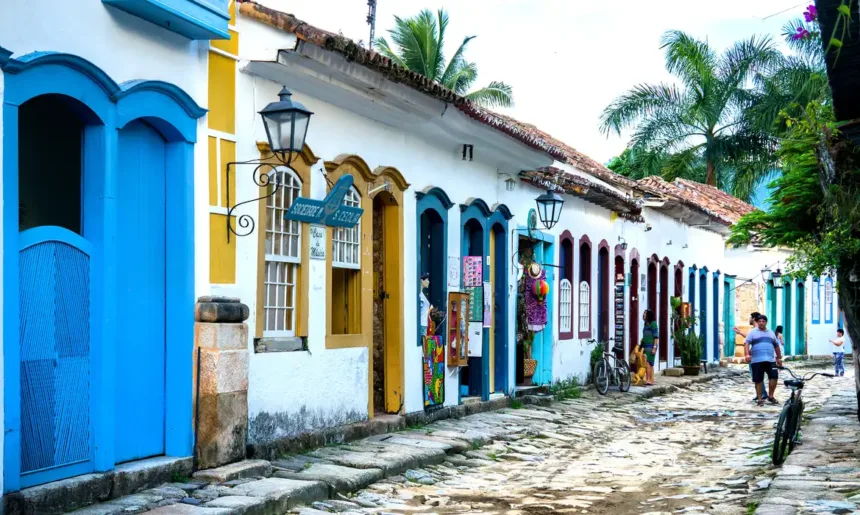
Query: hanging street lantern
[(549, 208), (286, 124), (775, 277)]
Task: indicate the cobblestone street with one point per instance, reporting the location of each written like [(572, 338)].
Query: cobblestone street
[(705, 448)]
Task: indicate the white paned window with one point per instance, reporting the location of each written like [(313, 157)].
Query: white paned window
[(565, 295), (584, 306), (346, 242), (283, 255)]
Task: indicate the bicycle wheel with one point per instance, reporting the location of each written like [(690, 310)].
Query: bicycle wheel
[(601, 377), (624, 377), (781, 436), (795, 420)]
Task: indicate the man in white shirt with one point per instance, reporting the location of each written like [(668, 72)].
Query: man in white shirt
[(839, 352)]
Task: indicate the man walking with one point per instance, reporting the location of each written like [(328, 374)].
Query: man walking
[(839, 352), (761, 351), (744, 332)]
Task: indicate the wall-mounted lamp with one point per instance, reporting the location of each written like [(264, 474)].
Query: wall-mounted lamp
[(510, 184), (647, 227), (623, 243), (685, 246), (669, 242), (549, 208), (384, 186)]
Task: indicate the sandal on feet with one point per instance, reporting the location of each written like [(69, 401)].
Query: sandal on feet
[(773, 401), (760, 403)]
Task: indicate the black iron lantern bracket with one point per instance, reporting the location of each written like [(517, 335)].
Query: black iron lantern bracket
[(264, 175)]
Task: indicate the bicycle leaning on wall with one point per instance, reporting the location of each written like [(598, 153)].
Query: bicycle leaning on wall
[(611, 370), (788, 425)]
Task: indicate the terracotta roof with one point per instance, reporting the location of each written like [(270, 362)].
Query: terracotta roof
[(552, 178), (712, 201), (392, 71)]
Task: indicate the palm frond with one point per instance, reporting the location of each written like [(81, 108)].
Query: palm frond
[(693, 61), (385, 49), (496, 94), (457, 61), (461, 78), (638, 103)]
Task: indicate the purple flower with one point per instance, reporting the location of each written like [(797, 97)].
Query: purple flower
[(801, 33), (811, 14)]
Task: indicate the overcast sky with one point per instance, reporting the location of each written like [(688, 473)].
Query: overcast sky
[(565, 59)]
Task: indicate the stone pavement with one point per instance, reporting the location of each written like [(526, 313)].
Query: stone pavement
[(704, 447), (823, 474)]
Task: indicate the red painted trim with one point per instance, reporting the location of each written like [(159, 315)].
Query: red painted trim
[(634, 256), (568, 268), (619, 251), (665, 261), (603, 245), (584, 241)]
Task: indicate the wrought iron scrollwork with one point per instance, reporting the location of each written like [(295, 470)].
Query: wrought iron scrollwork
[(264, 175)]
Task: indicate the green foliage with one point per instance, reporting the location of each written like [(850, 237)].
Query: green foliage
[(700, 129), (752, 506), (566, 389), (516, 404), (596, 355), (686, 341), (418, 46), (178, 477)]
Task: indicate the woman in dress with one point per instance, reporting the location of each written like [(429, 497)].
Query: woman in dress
[(650, 341)]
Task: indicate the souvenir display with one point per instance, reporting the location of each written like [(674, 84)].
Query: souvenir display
[(476, 303), (434, 369), (619, 308), (458, 338), (473, 271), (536, 308)]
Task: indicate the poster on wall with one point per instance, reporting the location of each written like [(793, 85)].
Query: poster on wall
[(434, 371), (816, 302), (619, 309), (318, 240), (476, 303), (476, 338), (453, 273), (473, 271), (488, 305)]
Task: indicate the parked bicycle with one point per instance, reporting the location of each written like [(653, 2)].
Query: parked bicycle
[(611, 370), (788, 425)]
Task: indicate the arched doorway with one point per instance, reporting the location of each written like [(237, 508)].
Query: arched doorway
[(388, 272), (704, 328), (433, 205), (603, 292), (691, 293), (678, 293), (618, 314), (787, 319), (88, 237), (634, 316), (653, 300), (771, 303), (471, 376), (664, 310), (801, 319), (499, 273), (715, 319)]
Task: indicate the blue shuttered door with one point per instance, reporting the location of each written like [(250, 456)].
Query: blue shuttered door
[(140, 348), (54, 272)]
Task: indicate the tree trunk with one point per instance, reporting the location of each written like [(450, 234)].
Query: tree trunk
[(712, 174)]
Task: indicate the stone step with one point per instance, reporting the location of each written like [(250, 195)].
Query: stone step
[(239, 470), (83, 491)]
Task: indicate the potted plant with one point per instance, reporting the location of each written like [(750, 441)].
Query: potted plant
[(688, 343)]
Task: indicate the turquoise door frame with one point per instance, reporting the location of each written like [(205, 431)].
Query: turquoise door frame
[(544, 251), (478, 211), (499, 224), (729, 316), (108, 108)]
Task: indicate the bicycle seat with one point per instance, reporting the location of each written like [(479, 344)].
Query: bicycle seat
[(793, 383)]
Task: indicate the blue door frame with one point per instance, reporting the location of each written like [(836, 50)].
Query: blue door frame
[(704, 329), (110, 107), (716, 318), (498, 223), (544, 252)]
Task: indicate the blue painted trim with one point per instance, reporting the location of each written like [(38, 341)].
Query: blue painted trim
[(545, 250), (96, 76), (503, 211), (480, 205), (11, 321), (434, 200), (439, 194), (816, 313), (193, 19), (45, 233), (828, 315), (501, 322), (109, 108), (174, 92)]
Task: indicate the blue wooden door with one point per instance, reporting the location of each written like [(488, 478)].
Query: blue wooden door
[(55, 341), (703, 313), (141, 254)]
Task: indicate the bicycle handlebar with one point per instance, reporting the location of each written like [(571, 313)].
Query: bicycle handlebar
[(805, 377)]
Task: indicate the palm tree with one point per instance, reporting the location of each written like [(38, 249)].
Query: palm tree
[(701, 126), (419, 47)]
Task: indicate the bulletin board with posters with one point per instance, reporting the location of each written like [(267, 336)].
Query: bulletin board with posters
[(458, 322)]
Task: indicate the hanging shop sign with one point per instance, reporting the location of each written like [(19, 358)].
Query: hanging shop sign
[(317, 246), (328, 211)]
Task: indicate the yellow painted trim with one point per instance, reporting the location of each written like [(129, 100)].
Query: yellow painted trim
[(393, 283), (357, 164), (228, 155), (307, 154), (213, 171), (303, 170), (394, 174), (492, 252), (222, 93), (231, 46), (222, 255)]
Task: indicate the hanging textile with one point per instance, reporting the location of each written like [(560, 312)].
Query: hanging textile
[(536, 308), (434, 368)]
